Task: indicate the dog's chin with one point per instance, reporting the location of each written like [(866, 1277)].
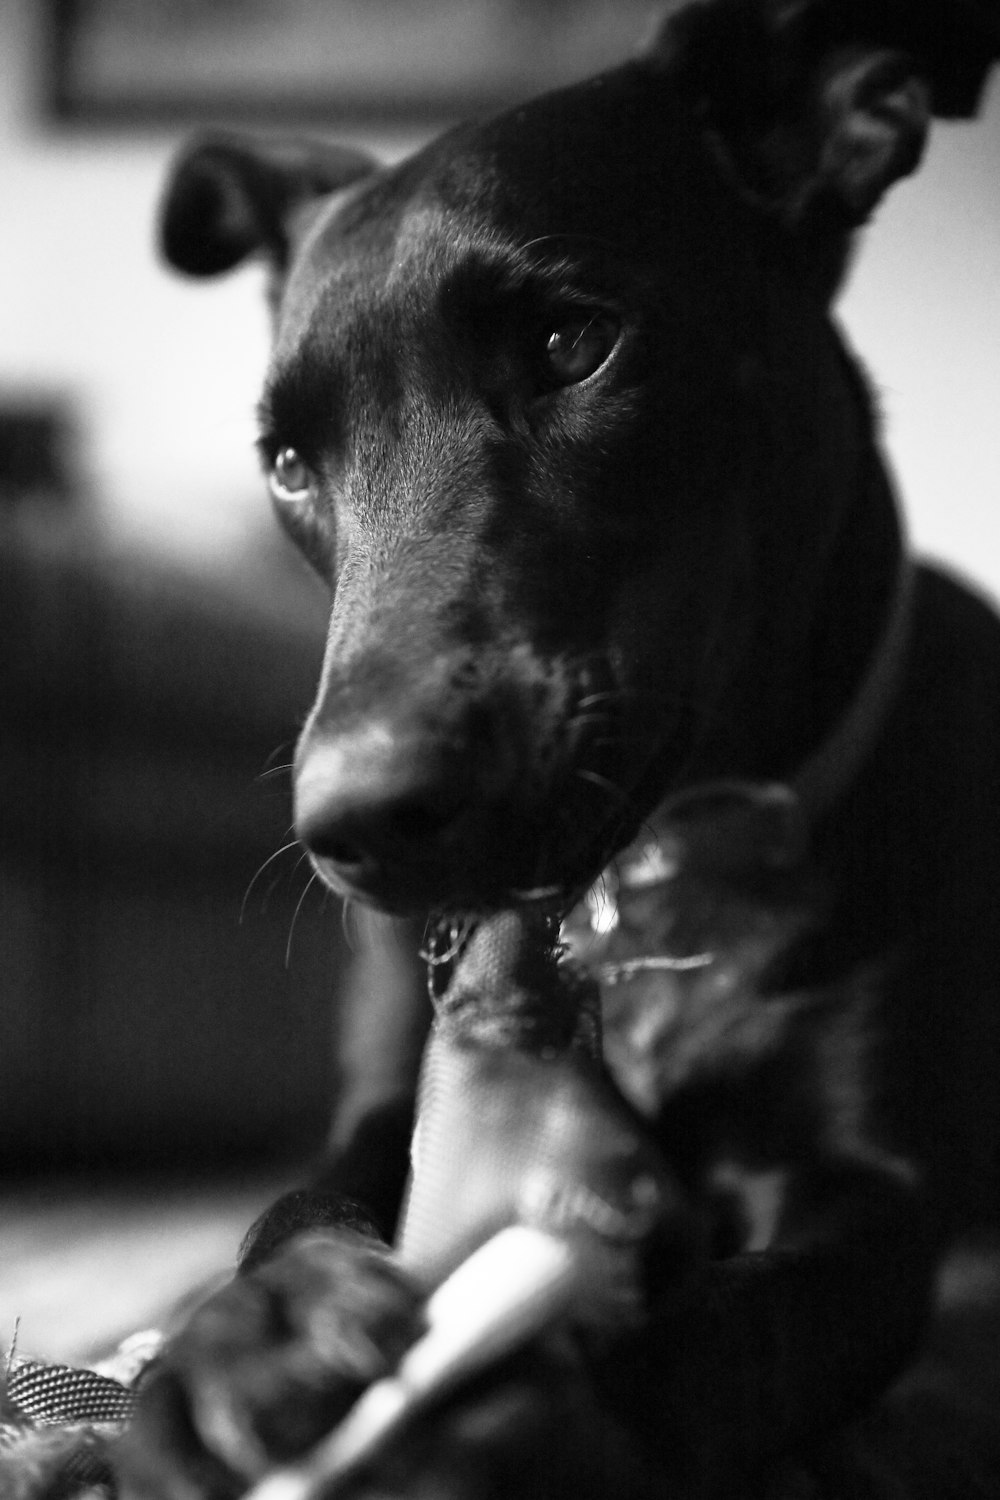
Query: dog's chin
[(475, 884), (403, 892)]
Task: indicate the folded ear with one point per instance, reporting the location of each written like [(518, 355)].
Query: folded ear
[(232, 196), (814, 106), (872, 113)]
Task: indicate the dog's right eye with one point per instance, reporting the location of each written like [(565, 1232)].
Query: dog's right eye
[(294, 492), (290, 477), (578, 346)]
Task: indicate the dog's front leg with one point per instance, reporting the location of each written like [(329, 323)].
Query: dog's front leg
[(768, 1353), (381, 1025)]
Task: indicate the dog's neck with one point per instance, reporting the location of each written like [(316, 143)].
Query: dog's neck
[(814, 738), (721, 874), (838, 759), (723, 825), (867, 616)]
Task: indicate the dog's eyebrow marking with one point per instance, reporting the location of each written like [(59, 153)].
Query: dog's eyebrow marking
[(488, 280), (301, 401), (560, 264)]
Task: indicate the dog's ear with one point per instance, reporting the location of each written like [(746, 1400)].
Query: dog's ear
[(818, 106), (871, 113), (232, 196)]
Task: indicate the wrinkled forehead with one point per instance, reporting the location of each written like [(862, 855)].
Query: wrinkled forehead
[(372, 239), (383, 236), (610, 169)]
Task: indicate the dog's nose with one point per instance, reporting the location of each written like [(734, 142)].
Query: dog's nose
[(374, 805)]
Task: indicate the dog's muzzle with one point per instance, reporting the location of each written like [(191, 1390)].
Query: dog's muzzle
[(452, 801)]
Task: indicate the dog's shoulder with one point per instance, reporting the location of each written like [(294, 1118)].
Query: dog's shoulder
[(944, 736), (956, 635)]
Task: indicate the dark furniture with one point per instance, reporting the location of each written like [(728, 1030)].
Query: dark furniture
[(141, 1019)]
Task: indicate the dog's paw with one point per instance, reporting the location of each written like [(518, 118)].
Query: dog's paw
[(532, 1426), (295, 1212), (268, 1365)]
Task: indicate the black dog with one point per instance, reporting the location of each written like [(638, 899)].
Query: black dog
[(557, 408)]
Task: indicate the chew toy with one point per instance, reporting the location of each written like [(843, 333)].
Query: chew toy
[(519, 1282), (534, 1191)]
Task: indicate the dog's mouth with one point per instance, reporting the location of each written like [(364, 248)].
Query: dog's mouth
[(432, 825), (491, 859), (515, 790), (490, 854)]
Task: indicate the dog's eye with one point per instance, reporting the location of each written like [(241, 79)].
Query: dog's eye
[(579, 346), (290, 477), (294, 492)]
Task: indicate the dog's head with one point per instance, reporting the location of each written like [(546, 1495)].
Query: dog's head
[(556, 409)]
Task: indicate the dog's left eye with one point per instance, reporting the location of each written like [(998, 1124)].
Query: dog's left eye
[(290, 477), (579, 346)]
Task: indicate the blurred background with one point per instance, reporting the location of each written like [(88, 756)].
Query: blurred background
[(165, 984)]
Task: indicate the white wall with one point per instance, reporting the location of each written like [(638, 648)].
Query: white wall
[(923, 309), (166, 373), (164, 377)]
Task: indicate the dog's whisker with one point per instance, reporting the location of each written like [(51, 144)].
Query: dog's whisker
[(349, 925), (292, 844), (274, 883), (272, 771), (295, 915), (269, 766), (578, 236)]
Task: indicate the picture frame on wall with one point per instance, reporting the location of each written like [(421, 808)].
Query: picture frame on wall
[(134, 62)]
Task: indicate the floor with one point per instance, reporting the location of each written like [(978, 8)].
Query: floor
[(85, 1264)]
